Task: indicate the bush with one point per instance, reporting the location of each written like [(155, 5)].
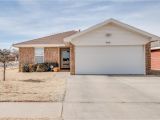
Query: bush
[(51, 66), (42, 68), (25, 68), (32, 67)]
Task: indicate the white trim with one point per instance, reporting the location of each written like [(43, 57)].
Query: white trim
[(38, 45), (155, 48), (108, 45), (151, 36)]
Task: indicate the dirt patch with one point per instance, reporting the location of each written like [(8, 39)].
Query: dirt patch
[(33, 81), (32, 87)]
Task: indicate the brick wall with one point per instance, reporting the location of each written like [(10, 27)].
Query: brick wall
[(52, 54), (72, 59), (155, 60), (148, 58), (26, 56)]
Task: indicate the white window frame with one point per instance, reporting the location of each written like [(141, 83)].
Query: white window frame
[(35, 54)]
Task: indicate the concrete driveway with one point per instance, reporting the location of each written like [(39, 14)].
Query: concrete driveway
[(92, 97)]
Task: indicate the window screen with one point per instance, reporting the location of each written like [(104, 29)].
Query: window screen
[(39, 55)]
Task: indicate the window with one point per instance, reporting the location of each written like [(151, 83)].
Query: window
[(39, 55)]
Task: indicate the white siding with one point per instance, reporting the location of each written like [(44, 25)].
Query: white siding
[(119, 36), (110, 60)]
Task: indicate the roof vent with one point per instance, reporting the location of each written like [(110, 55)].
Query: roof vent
[(108, 34)]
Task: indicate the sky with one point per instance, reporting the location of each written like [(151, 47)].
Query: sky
[(22, 20)]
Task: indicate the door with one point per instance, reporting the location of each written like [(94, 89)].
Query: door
[(110, 60), (65, 57)]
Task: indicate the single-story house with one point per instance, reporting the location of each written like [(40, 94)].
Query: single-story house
[(111, 47), (155, 55)]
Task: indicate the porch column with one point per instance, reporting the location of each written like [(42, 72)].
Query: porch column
[(148, 58), (72, 59)]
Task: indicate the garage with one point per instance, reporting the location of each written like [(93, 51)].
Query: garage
[(111, 47), (110, 60)]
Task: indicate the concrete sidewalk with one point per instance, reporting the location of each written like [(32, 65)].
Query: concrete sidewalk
[(30, 110)]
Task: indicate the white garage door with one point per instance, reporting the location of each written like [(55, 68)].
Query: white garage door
[(110, 60)]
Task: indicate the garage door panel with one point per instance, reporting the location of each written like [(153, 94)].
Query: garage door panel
[(109, 60)]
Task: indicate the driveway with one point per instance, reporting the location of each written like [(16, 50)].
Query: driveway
[(92, 97)]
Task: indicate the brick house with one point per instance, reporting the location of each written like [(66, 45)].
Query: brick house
[(111, 47), (155, 55)]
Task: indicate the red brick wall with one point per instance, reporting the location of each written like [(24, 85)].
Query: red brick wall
[(26, 56), (148, 57), (72, 59), (51, 54), (155, 60)]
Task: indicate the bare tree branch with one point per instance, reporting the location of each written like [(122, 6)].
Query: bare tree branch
[(4, 59)]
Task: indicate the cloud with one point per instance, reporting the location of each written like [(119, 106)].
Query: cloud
[(35, 18)]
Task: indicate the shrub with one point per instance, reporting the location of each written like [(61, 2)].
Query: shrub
[(51, 66), (32, 67), (25, 68), (42, 67)]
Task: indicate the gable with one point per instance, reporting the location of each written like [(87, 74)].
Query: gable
[(111, 34)]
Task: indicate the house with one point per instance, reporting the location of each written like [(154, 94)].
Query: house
[(111, 47), (155, 55)]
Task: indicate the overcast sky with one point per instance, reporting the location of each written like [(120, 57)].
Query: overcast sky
[(22, 20)]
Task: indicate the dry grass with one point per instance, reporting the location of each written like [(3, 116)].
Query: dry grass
[(28, 119), (33, 87), (24, 119)]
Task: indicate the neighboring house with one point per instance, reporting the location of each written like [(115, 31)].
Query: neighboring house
[(155, 55), (111, 47)]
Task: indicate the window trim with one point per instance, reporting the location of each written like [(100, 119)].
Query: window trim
[(38, 55)]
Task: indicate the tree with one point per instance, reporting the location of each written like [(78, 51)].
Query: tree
[(15, 53), (4, 59)]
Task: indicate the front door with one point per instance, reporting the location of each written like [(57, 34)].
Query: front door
[(65, 58)]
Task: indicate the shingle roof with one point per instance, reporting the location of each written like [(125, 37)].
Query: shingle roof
[(51, 39)]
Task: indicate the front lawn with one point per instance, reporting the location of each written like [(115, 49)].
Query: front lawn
[(33, 87)]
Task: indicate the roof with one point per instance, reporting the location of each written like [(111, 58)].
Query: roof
[(51, 40), (131, 28)]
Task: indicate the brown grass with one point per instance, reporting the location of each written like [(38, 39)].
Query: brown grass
[(28, 119), (33, 87), (24, 119)]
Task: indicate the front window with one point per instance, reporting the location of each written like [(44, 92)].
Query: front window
[(39, 55)]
